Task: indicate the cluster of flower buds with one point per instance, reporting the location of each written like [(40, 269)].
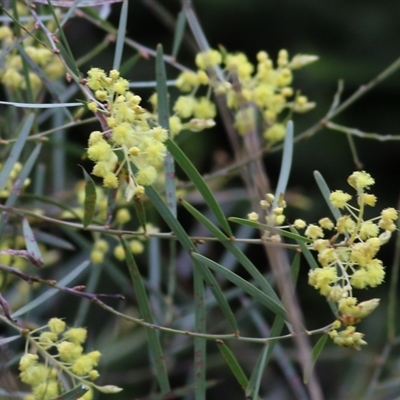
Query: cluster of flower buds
[(255, 92), (128, 134), (68, 356), (12, 71), (347, 257)]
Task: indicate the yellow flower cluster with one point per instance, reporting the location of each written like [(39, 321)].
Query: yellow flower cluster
[(348, 257), (274, 217), (45, 377), (12, 71), (262, 91), (128, 132), (350, 263)]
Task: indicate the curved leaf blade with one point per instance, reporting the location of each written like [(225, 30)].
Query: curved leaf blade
[(244, 285), (200, 184)]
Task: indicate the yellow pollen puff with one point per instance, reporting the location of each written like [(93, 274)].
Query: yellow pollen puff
[(360, 180), (278, 210), (119, 253), (101, 95), (253, 216), (287, 92), (100, 151), (314, 232), (95, 137), (101, 245), (276, 133), (146, 176), (345, 225), (93, 374), (202, 78), (28, 360), (326, 223), (301, 100), (101, 168), (92, 106), (208, 59), (76, 335), (121, 86), (123, 216), (265, 204), (134, 151), (69, 351), (389, 213), (339, 199), (245, 120), (159, 134), (262, 56), (97, 257), (56, 325), (114, 74), (368, 229), (111, 122), (299, 223), (270, 197), (276, 238), (110, 180), (368, 199), (184, 106), (136, 246), (187, 80), (5, 32), (284, 78), (204, 108)]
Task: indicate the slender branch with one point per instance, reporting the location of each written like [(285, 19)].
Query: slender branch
[(361, 91)]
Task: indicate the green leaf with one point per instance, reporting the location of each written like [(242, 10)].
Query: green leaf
[(63, 45), (89, 204), (127, 65), (323, 187), (163, 120), (200, 344), (111, 204), (31, 244), (316, 351), (19, 182), (276, 329), (233, 364), (286, 163), (16, 150), (179, 31), (73, 394), (190, 248), (218, 294), (119, 45), (146, 314), (256, 376), (238, 254), (51, 292), (247, 287), (200, 184)]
